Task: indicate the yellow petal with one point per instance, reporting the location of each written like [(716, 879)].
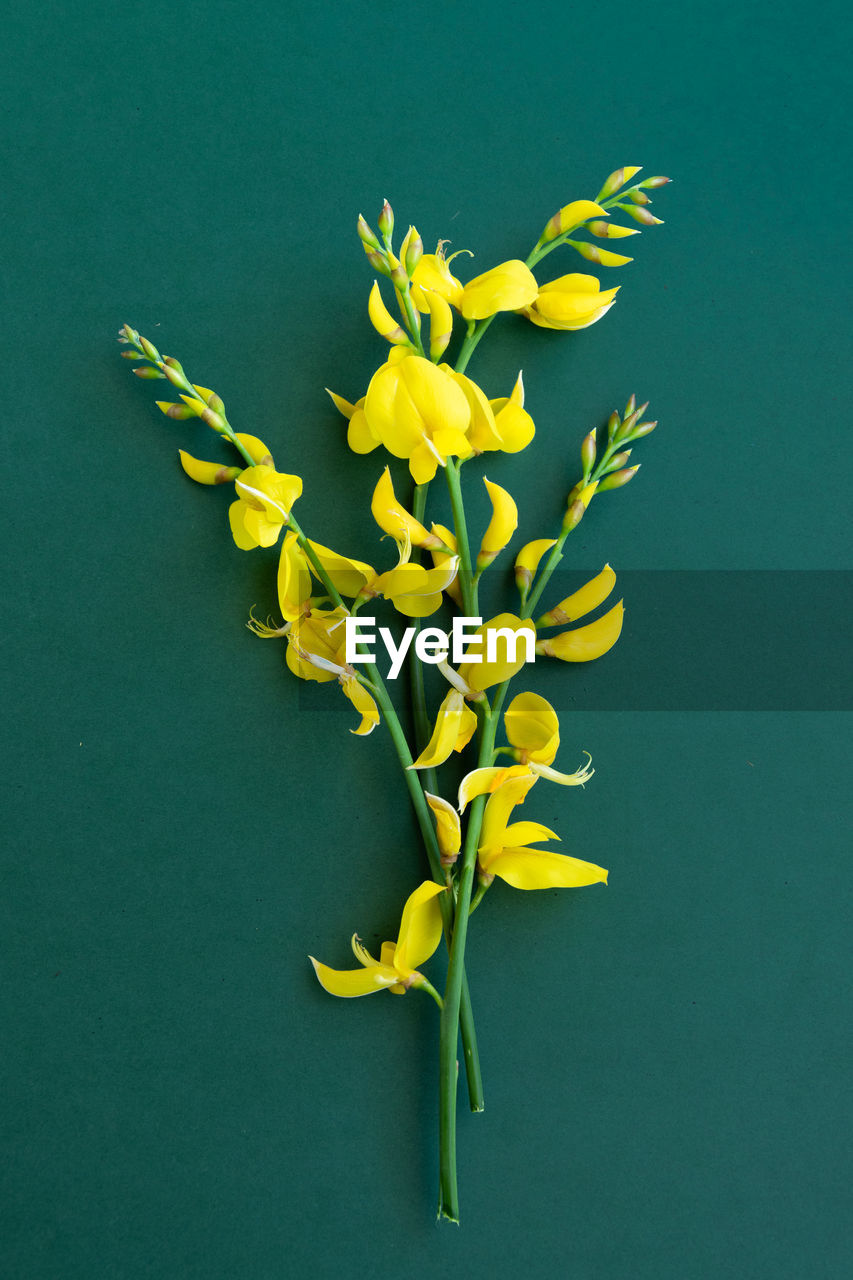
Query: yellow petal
[(499, 806), (514, 424), (448, 730), (237, 513), (507, 287), (382, 320), (583, 644), (348, 575), (532, 552), (343, 406), (440, 324), (532, 726), (571, 216), (502, 525), (257, 450), (482, 782), (542, 869), (527, 833), (482, 430), (207, 472), (433, 273), (354, 982), (364, 704), (447, 826), (583, 601), (360, 438), (393, 518), (294, 579), (420, 927), (510, 651)]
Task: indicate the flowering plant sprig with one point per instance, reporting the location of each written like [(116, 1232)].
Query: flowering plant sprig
[(431, 414)]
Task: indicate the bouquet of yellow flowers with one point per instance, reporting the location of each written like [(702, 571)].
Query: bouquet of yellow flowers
[(422, 409)]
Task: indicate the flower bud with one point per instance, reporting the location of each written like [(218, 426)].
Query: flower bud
[(569, 217), (642, 215), (618, 478), (382, 320), (411, 251), (213, 420), (643, 429), (573, 516), (180, 412), (365, 235), (207, 472), (655, 182), (215, 402), (502, 525), (588, 453), (603, 257), (385, 221), (177, 379), (149, 349), (639, 197), (630, 422), (630, 406), (146, 371), (399, 277), (527, 561), (619, 460), (378, 261), (613, 423), (440, 323), (610, 230), (618, 179)]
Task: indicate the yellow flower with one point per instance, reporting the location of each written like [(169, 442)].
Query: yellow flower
[(502, 525), (294, 579), (571, 302), (454, 727), (504, 849), (507, 287), (396, 969), (418, 412), (348, 576), (448, 828), (583, 644), (513, 423), (264, 499), (316, 650), (393, 518), (532, 727), (504, 634), (433, 273), (413, 590)]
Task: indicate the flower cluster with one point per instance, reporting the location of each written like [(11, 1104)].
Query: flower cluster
[(423, 408)]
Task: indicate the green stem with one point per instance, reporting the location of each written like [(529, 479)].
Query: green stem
[(467, 580), (448, 1198), (424, 985), (429, 783), (556, 553)]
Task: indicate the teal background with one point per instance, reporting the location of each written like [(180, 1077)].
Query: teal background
[(665, 1060)]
